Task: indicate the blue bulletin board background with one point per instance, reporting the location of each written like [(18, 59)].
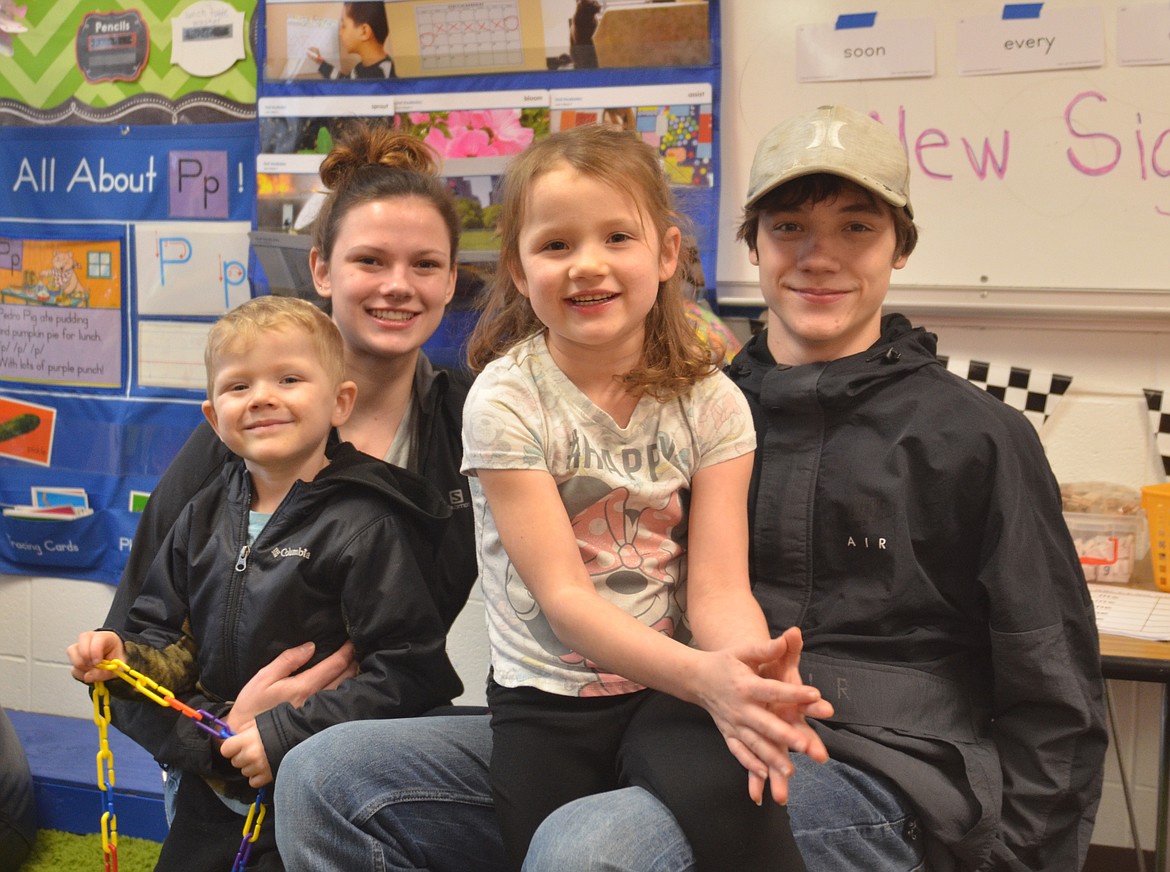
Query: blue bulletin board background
[(125, 206), (77, 192)]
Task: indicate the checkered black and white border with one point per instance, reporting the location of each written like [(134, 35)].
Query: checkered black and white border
[(1160, 421), (1032, 391)]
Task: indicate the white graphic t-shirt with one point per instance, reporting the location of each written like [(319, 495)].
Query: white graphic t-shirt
[(625, 490)]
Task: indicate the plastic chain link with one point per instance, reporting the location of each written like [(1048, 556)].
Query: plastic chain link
[(204, 720), (105, 763)]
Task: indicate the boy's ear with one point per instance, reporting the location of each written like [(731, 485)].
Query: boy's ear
[(209, 414), (901, 260), (343, 404), (754, 256)]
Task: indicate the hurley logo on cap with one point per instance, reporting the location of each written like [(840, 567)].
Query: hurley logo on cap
[(826, 133)]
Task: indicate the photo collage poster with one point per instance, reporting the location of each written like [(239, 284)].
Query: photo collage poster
[(308, 41)]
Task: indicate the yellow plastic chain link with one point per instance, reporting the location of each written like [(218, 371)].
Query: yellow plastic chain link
[(164, 697), (105, 763), (252, 833)]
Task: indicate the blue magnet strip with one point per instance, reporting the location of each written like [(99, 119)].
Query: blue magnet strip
[(1021, 10), (856, 19)]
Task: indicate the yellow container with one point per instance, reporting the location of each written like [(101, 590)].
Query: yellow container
[(1156, 502)]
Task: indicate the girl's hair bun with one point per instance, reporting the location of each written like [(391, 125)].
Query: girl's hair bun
[(363, 144)]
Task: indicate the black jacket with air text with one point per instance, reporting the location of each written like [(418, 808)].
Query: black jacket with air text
[(345, 556), (908, 522)]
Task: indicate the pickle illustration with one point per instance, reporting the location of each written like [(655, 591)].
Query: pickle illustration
[(18, 426)]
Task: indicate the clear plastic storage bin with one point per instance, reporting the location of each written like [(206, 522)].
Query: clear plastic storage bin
[(1108, 528)]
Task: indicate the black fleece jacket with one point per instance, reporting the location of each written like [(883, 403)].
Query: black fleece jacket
[(439, 397)]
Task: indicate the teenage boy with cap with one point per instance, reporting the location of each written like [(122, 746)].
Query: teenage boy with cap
[(907, 521)]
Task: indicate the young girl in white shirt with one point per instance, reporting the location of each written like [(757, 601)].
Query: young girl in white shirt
[(609, 461)]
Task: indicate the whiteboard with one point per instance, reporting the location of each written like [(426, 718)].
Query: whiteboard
[(1015, 198)]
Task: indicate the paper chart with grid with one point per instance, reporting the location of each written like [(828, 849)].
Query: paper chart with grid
[(455, 36)]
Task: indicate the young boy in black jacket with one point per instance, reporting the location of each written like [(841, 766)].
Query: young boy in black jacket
[(364, 31), (292, 545)]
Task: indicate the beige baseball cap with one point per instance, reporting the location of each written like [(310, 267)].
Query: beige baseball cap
[(835, 140)]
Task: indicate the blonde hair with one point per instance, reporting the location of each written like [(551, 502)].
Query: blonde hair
[(270, 313), (673, 356), (371, 162)]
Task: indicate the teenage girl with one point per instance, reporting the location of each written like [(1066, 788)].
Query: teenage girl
[(609, 463)]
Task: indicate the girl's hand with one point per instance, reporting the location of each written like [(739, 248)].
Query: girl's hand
[(90, 649), (246, 752), (315, 55), (276, 683), (762, 718), (787, 669)]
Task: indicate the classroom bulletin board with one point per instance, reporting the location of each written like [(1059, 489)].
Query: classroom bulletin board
[(127, 190), (1038, 133), (145, 145)]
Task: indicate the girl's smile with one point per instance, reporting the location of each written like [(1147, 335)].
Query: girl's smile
[(389, 276), (590, 265)]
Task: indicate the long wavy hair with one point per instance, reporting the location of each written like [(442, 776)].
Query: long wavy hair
[(673, 356)]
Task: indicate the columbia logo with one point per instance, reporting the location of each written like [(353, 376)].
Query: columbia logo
[(291, 552)]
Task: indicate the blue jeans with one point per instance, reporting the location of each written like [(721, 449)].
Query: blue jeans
[(413, 794), (843, 820), (171, 794)]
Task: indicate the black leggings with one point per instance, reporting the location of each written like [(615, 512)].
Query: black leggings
[(548, 750)]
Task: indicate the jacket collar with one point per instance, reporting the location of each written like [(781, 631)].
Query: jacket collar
[(429, 384), (900, 348)]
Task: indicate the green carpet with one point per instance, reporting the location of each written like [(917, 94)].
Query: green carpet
[(56, 851)]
